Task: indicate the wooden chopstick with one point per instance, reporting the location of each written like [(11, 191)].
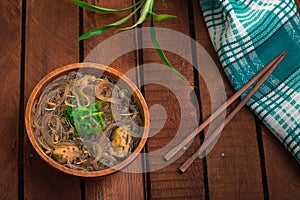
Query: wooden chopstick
[(181, 145), (213, 136)]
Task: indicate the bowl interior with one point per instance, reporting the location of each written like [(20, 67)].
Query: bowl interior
[(95, 69)]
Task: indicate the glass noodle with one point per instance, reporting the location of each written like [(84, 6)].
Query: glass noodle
[(86, 122)]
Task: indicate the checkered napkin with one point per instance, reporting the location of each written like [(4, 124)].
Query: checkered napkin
[(247, 35)]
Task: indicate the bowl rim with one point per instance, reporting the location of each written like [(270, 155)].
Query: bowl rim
[(107, 70)]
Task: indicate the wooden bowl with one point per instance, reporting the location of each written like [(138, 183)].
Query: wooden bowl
[(117, 76)]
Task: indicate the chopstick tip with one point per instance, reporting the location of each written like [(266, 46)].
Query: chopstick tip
[(181, 170), (284, 53), (187, 164)]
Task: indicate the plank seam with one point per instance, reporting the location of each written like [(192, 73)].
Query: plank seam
[(81, 59), (81, 42), (82, 189), (22, 104), (140, 83), (197, 90), (262, 158)]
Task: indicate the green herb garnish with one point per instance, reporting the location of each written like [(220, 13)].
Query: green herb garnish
[(86, 120)]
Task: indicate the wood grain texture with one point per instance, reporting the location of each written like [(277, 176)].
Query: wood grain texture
[(51, 30), (120, 184), (167, 182), (52, 27), (282, 170), (283, 174), (236, 174), (10, 40)]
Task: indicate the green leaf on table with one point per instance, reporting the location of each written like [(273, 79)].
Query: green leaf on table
[(103, 10), (102, 29), (145, 12), (161, 17), (148, 6), (94, 32), (161, 53)]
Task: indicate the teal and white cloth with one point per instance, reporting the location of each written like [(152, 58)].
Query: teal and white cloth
[(247, 35)]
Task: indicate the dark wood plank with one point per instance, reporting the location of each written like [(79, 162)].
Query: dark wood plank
[(10, 40), (282, 170), (168, 183), (120, 185), (51, 30), (283, 174), (236, 174)]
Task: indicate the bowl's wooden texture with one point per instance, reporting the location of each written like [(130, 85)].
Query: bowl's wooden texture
[(116, 75)]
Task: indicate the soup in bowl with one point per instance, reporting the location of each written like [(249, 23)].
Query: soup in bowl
[(87, 120)]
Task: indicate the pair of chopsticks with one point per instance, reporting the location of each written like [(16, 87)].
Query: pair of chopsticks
[(262, 75)]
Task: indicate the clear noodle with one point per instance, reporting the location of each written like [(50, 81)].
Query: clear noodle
[(85, 122)]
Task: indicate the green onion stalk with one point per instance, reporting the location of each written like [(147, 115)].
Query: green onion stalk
[(145, 8)]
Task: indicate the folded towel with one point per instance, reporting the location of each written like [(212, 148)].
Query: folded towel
[(247, 35)]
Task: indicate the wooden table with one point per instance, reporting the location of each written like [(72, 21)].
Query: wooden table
[(38, 36)]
